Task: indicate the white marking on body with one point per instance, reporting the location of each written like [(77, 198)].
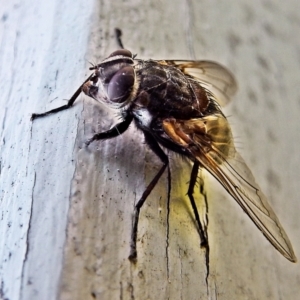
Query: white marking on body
[(144, 117)]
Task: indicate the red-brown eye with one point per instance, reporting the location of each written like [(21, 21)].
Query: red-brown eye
[(121, 84), (122, 52)]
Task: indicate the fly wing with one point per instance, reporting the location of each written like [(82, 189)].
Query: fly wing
[(209, 140), (212, 76), (237, 179)]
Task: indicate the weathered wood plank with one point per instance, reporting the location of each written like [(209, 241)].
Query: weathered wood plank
[(66, 210)]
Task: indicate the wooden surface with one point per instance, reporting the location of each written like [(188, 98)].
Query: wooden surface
[(66, 210)]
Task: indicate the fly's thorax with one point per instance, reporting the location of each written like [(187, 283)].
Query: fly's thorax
[(167, 92), (114, 81)]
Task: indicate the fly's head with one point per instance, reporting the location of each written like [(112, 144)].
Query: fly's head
[(114, 80)]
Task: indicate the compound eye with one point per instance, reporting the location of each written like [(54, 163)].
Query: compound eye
[(121, 84), (122, 52)]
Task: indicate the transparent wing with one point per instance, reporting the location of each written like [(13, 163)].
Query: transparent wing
[(237, 179), (209, 140), (212, 76)]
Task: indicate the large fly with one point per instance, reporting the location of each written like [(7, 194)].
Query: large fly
[(177, 105)]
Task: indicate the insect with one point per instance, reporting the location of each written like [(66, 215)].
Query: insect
[(177, 106)]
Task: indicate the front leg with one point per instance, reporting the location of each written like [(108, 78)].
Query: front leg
[(113, 132), (64, 107)]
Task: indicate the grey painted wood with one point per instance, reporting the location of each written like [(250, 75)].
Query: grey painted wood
[(66, 210)]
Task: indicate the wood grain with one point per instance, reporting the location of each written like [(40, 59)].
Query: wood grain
[(66, 210)]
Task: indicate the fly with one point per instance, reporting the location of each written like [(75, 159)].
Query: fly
[(177, 105)]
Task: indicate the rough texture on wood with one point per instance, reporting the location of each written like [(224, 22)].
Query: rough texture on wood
[(66, 210)]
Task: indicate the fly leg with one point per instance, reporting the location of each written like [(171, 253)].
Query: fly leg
[(118, 33), (190, 193), (154, 146), (66, 106), (118, 129)]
